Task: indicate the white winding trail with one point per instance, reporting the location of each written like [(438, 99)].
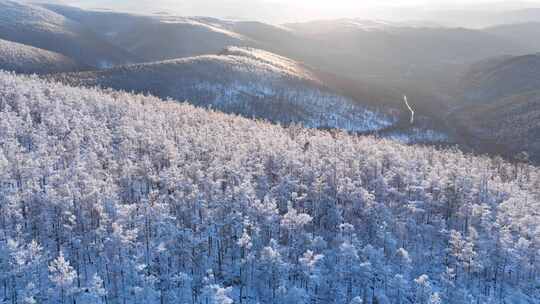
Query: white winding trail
[(409, 107)]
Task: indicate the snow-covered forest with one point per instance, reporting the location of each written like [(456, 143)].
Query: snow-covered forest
[(107, 197)]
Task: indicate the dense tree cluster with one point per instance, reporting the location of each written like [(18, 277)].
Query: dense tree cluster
[(108, 197)]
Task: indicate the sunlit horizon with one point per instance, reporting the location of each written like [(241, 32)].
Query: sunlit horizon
[(282, 11)]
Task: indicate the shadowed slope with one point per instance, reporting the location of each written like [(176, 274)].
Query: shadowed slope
[(36, 26)]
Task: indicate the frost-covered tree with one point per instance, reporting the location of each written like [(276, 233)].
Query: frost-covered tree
[(109, 197), (62, 276)]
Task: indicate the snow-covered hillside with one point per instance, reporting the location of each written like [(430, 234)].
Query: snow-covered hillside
[(156, 37), (26, 59), (17, 13), (42, 28), (250, 82), (108, 197)]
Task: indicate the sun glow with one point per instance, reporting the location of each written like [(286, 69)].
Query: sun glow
[(283, 11)]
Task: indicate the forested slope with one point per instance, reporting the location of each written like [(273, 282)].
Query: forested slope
[(39, 27), (26, 59), (497, 78), (512, 122), (501, 103), (245, 81), (156, 37), (108, 197)]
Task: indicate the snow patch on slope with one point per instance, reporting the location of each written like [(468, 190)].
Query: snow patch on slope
[(280, 63), (213, 27)]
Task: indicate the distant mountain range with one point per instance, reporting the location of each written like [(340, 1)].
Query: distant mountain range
[(519, 33), (419, 58), (478, 14), (367, 50)]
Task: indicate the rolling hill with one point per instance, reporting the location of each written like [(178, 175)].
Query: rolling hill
[(510, 122), (420, 60), (156, 37), (399, 51), (250, 82), (39, 27), (367, 60), (26, 59), (501, 77), (397, 54), (501, 103)]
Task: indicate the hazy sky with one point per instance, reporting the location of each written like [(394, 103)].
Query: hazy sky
[(299, 10)]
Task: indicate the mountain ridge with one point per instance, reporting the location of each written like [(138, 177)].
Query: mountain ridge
[(245, 81), (36, 26), (27, 59)]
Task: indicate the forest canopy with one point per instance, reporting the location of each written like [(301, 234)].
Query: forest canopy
[(108, 197)]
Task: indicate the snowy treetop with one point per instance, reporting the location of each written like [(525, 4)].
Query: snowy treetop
[(109, 197)]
